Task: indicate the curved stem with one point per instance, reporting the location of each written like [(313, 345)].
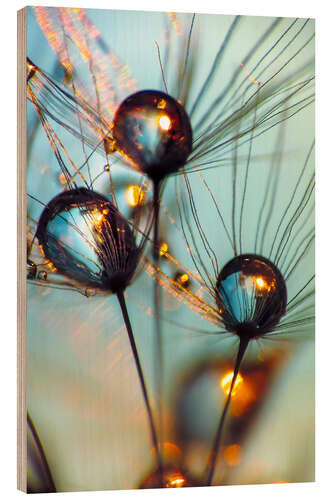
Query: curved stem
[(243, 343), (153, 433), (41, 454), (159, 365)]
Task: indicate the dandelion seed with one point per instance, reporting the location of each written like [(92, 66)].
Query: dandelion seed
[(86, 238)]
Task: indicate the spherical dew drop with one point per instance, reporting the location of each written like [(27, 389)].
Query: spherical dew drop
[(152, 130), (87, 239), (251, 295)]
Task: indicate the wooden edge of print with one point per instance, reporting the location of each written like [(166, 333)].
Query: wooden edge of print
[(21, 250)]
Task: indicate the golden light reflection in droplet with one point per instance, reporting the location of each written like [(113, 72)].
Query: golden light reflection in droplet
[(226, 381), (233, 455), (260, 282), (97, 217), (161, 104), (135, 196), (165, 122), (264, 285)]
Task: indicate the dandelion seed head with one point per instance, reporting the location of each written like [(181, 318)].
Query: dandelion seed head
[(213, 135)]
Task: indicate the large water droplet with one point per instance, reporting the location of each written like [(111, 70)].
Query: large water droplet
[(251, 295), (86, 238), (153, 131)]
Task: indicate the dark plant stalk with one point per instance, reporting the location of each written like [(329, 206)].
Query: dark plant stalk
[(159, 365), (243, 343), (41, 453), (153, 433)]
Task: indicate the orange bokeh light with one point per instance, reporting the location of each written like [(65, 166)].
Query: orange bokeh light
[(175, 480), (170, 451), (62, 179), (135, 196), (226, 381), (233, 455)]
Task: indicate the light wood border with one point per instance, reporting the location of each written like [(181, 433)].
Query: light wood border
[(21, 250)]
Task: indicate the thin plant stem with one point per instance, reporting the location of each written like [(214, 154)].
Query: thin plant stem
[(243, 343), (41, 453), (159, 365), (153, 433)]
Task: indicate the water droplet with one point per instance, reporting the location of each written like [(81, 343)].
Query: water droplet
[(183, 279), (87, 239), (173, 477), (251, 295), (42, 275), (164, 247), (153, 131)]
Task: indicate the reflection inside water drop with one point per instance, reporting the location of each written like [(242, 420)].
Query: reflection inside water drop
[(152, 130), (85, 237), (251, 295)]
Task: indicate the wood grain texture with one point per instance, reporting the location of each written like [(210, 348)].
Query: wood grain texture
[(21, 250)]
